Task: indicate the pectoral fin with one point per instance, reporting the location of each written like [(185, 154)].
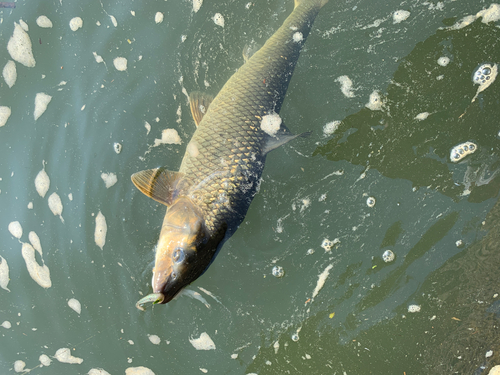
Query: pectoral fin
[(199, 104), (282, 136), (161, 185)]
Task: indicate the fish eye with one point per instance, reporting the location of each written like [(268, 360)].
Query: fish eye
[(178, 255)]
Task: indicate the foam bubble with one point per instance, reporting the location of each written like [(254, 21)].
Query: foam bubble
[(168, 137), (414, 308), (154, 339), (5, 113), (117, 147), (100, 230), (141, 370), (120, 64), (20, 48), (43, 21), (278, 271), (443, 61), (75, 23), (330, 128), (374, 102), (74, 304), (15, 229), (98, 58), (370, 202), (64, 355), (422, 116), (400, 16), (19, 366), (10, 73), (204, 342), (271, 123), (218, 19), (98, 371), (4, 274), (42, 182), (461, 150), (40, 274), (109, 179), (45, 360), (113, 20), (159, 17), (42, 100), (6, 324), (55, 205), (327, 244), (197, 5), (484, 76), (346, 86), (298, 37), (35, 242), (388, 256)]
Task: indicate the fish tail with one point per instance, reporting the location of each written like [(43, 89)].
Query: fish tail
[(319, 3)]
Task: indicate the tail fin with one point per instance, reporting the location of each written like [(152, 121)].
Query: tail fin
[(318, 2)]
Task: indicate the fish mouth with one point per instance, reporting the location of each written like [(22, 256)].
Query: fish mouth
[(153, 298)]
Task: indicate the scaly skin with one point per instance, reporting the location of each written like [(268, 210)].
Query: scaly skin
[(223, 163)]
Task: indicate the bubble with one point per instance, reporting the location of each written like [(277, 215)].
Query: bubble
[(278, 271), (414, 308), (370, 202), (75, 23), (295, 337), (218, 19), (461, 150), (388, 256), (310, 251), (117, 147)]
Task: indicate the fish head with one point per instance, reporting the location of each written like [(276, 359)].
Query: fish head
[(179, 255)]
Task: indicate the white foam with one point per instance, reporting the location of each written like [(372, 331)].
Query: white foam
[(35, 242), (40, 274), (298, 37), (400, 16), (74, 304), (42, 100), (109, 179), (271, 123), (159, 17), (55, 205), (113, 20), (42, 182), (100, 230), (422, 116), (374, 102), (10, 73), (168, 137), (218, 19), (154, 339), (120, 64), (64, 355), (330, 128), (141, 370), (346, 86), (19, 366), (321, 280), (414, 308), (204, 342), (75, 23), (6, 324), (4, 274), (20, 48), (44, 21), (98, 58), (98, 371), (443, 61), (197, 5), (16, 229), (44, 360), (5, 113)]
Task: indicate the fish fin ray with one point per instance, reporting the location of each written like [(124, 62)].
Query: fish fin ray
[(159, 184), (282, 136), (199, 104)]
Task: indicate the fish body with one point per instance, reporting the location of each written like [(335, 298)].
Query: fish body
[(209, 196)]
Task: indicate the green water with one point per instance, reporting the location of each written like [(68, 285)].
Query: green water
[(312, 189)]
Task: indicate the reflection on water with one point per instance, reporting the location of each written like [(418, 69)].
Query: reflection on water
[(335, 309)]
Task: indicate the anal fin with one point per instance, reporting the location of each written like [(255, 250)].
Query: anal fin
[(159, 184), (282, 136), (199, 104)]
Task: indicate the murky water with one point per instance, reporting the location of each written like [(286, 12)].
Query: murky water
[(338, 307)]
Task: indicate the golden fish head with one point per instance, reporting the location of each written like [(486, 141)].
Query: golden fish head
[(179, 256)]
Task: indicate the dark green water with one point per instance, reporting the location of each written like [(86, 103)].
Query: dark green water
[(312, 189)]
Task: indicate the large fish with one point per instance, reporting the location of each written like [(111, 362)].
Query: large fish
[(209, 196)]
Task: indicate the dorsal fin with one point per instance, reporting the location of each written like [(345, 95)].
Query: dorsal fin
[(159, 184), (199, 104)]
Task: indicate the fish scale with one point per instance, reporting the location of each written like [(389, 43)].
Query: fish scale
[(220, 173)]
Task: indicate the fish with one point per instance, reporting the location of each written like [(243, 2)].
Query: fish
[(220, 173)]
